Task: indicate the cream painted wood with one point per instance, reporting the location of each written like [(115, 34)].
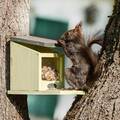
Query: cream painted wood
[(27, 57), (24, 70), (26, 67), (49, 92)]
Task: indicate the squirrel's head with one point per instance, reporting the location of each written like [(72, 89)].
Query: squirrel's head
[(75, 35)]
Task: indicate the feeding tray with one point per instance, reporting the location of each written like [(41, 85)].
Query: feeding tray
[(48, 92), (36, 67)]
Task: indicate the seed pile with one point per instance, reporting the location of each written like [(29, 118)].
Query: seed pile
[(49, 73)]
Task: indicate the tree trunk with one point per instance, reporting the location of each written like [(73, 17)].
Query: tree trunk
[(14, 20), (102, 102)]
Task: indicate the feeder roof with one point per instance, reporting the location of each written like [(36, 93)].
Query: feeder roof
[(45, 42)]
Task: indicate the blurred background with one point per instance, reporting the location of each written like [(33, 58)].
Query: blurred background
[(50, 19)]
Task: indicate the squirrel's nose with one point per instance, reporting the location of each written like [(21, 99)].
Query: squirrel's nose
[(57, 44)]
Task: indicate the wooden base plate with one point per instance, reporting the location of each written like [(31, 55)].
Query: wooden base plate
[(47, 92)]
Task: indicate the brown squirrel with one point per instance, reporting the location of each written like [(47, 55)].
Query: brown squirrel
[(83, 58)]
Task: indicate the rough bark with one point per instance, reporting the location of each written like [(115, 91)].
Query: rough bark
[(102, 102), (14, 20)]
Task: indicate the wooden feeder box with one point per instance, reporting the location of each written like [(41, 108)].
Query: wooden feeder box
[(28, 56)]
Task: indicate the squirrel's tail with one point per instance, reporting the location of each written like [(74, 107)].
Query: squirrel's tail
[(90, 57), (96, 39)]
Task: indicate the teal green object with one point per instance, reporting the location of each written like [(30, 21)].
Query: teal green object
[(42, 105), (49, 28)]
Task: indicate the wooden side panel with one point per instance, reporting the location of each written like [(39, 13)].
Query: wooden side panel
[(24, 68), (61, 68)]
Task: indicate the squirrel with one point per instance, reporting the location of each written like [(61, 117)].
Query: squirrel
[(84, 60)]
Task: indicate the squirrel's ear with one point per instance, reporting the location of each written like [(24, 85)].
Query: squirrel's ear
[(78, 29), (61, 42)]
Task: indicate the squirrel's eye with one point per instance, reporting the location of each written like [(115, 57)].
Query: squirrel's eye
[(66, 45)]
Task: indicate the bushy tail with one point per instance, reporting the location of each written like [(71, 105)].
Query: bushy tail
[(96, 39), (90, 57)]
